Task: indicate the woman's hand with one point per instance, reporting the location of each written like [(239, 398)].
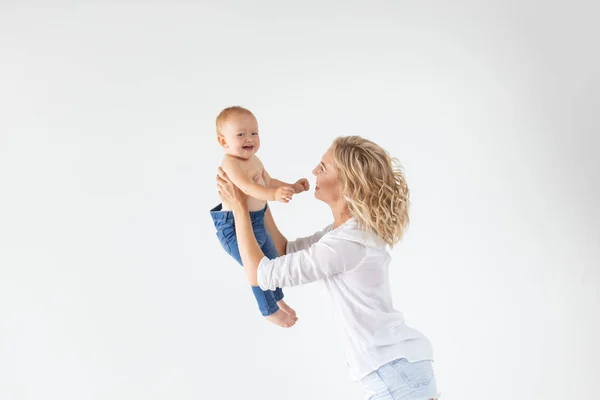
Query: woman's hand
[(230, 194)]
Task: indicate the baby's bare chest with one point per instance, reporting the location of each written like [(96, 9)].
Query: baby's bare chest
[(255, 171)]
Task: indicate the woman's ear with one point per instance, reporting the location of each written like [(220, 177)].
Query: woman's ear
[(222, 141)]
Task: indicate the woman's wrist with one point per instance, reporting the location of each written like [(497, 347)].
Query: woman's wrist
[(239, 208)]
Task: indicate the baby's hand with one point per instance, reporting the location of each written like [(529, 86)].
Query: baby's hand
[(284, 194), (302, 185)]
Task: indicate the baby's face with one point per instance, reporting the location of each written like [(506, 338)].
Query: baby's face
[(240, 134)]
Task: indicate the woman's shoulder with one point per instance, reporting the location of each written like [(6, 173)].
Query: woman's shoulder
[(350, 231)]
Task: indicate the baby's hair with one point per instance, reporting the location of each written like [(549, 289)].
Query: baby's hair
[(228, 113)]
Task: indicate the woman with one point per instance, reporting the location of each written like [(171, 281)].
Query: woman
[(369, 198)]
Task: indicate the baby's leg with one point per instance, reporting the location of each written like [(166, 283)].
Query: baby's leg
[(270, 310), (267, 304)]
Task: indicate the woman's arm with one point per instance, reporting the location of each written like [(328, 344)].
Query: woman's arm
[(279, 240), (329, 256), (322, 259), (250, 252)]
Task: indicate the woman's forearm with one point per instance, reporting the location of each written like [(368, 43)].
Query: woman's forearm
[(278, 239), (250, 252)]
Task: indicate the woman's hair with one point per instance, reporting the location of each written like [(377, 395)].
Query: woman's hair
[(374, 187)]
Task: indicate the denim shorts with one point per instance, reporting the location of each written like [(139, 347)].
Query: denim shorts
[(401, 380)]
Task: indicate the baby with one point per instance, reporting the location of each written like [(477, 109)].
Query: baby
[(237, 133)]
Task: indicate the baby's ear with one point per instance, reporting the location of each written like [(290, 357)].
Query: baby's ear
[(222, 141)]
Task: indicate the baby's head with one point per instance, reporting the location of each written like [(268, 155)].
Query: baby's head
[(237, 132)]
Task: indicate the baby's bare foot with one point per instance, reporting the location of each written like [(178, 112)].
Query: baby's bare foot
[(283, 305), (281, 318)]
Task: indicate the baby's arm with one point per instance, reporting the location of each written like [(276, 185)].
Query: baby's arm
[(240, 178), (274, 183), (298, 187)]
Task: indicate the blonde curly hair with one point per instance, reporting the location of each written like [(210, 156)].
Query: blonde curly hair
[(374, 187)]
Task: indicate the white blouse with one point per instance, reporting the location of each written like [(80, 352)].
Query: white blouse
[(354, 266)]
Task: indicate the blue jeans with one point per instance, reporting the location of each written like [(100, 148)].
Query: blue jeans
[(401, 380), (225, 225)]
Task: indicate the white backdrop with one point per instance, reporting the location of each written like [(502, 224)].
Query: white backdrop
[(112, 282)]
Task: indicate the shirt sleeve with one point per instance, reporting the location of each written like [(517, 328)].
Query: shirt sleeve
[(324, 258), (305, 242)]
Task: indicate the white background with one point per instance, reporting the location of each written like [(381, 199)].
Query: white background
[(112, 282)]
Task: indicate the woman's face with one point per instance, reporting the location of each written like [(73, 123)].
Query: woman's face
[(328, 187)]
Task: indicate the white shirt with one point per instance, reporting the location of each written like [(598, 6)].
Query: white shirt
[(354, 266)]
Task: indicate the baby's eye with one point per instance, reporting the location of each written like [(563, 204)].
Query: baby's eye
[(254, 133), (240, 134)]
